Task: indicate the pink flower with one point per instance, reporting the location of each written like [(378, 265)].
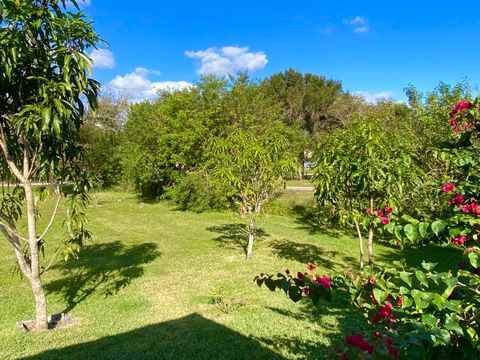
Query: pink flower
[(399, 300), (324, 281), (388, 210), (448, 187), (474, 206), (457, 199), (369, 210), (311, 267), (477, 212), (359, 342), (379, 213), (384, 312), (398, 244), (466, 209), (384, 220), (459, 240)]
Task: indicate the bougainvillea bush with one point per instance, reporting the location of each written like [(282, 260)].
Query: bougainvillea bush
[(416, 313)]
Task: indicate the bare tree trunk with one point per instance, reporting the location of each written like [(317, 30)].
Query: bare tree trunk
[(41, 317), (251, 232), (360, 238)]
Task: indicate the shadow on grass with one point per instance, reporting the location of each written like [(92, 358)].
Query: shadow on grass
[(102, 269), (447, 258), (190, 337), (236, 235), (310, 253), (312, 220), (337, 318)]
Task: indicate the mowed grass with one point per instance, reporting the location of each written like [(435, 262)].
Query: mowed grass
[(157, 283)]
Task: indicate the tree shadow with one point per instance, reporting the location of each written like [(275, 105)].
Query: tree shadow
[(235, 235), (446, 257), (309, 253), (190, 337), (313, 220), (337, 318), (102, 269)]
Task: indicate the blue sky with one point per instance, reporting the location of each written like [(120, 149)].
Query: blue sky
[(374, 47)]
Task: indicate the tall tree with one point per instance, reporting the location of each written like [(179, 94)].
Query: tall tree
[(44, 77)]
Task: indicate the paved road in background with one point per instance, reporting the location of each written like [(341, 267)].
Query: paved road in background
[(300, 188)]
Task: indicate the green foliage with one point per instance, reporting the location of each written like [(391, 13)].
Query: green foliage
[(198, 191)]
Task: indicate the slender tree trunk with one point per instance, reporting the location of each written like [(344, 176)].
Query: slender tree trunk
[(41, 317), (370, 246), (370, 239), (360, 238), (251, 232)]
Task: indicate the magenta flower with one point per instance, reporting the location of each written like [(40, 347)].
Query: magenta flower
[(448, 187), (359, 342), (379, 213), (311, 267), (384, 220), (459, 240), (369, 210), (323, 281), (300, 275), (457, 199), (388, 210), (466, 209)]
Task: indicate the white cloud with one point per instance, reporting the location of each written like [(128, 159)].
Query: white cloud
[(358, 23), (138, 87), (373, 98), (228, 60), (102, 58)]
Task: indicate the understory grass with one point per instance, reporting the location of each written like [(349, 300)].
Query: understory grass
[(157, 283)]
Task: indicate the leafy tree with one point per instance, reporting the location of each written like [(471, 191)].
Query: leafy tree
[(101, 136), (252, 166), (44, 76), (362, 171)]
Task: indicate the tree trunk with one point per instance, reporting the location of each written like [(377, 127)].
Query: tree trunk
[(41, 317), (370, 246), (251, 232), (360, 238), (370, 238)]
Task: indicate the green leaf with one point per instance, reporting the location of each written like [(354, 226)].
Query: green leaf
[(380, 295), (473, 257), (294, 294), (420, 275), (410, 232), (406, 278), (423, 229), (429, 319), (453, 325), (438, 226), (428, 266)]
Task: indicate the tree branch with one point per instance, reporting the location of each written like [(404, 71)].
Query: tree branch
[(51, 219), (11, 164)]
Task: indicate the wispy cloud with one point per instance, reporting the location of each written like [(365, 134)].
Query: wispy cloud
[(102, 58), (137, 86), (373, 98), (359, 24), (228, 60)]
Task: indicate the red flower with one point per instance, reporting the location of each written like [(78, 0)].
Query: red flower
[(379, 213), (311, 267), (324, 281), (474, 206), (459, 240), (466, 209), (369, 210), (384, 312), (300, 275), (376, 334), (399, 300), (393, 351), (448, 187), (359, 342), (306, 291), (384, 220), (477, 212), (373, 300), (374, 319), (389, 341), (344, 356), (388, 210)]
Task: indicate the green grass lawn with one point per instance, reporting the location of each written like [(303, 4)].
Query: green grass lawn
[(157, 283)]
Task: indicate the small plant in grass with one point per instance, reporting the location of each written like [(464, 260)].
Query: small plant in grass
[(223, 300)]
